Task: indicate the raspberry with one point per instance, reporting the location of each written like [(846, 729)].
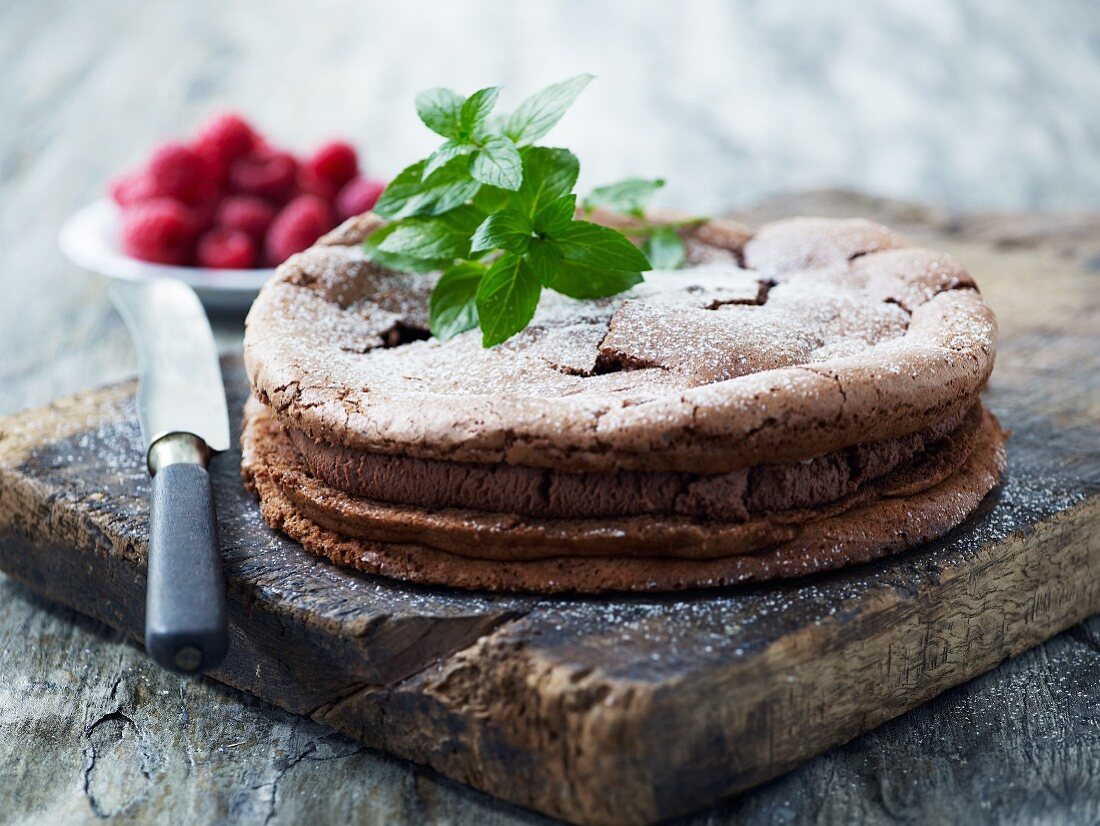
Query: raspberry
[(227, 249), (297, 226), (227, 137), (132, 188), (245, 201), (358, 195), (204, 212), (215, 167), (177, 171), (247, 213), (309, 182), (160, 230), (270, 175), (335, 162)]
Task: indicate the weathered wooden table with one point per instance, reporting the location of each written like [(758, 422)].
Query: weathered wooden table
[(89, 728)]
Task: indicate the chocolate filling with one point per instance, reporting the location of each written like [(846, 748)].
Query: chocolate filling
[(508, 538), (547, 493), (860, 534)]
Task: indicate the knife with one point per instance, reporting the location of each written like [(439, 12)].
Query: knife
[(184, 421)]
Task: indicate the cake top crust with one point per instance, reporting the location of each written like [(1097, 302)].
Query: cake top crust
[(804, 337)]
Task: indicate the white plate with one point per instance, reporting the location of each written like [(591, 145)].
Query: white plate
[(90, 239)]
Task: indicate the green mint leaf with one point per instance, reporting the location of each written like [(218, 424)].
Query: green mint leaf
[(545, 259), (441, 111), (556, 216), (506, 299), (398, 261), (573, 279), (443, 190), (406, 263), (628, 196), (593, 245), (508, 229), (399, 190), (664, 249), (492, 199), (537, 115), (548, 174), (453, 308), (476, 109), (498, 164), (446, 153), (581, 281), (445, 236)]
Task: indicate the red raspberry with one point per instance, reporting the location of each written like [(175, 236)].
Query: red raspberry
[(204, 212), (247, 213), (270, 175), (177, 171), (309, 182), (160, 230), (227, 249), (297, 226), (215, 167), (227, 137), (132, 188), (335, 162), (357, 196)]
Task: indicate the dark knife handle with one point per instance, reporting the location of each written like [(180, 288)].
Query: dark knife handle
[(185, 626)]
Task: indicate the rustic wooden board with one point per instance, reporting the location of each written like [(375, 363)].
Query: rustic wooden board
[(626, 710)]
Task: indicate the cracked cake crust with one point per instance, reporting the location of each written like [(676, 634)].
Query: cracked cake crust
[(838, 333)]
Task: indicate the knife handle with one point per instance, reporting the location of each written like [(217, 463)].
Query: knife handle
[(185, 625)]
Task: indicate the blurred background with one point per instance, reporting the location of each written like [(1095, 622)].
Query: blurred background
[(977, 104), (965, 105), (963, 110)]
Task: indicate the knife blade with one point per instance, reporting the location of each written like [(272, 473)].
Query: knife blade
[(184, 421)]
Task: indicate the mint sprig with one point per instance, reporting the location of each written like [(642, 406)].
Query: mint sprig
[(660, 242), (498, 216), (628, 196)]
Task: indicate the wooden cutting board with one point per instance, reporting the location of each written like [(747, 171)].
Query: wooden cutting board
[(612, 710)]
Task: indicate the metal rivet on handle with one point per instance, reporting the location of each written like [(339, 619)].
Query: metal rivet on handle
[(188, 658)]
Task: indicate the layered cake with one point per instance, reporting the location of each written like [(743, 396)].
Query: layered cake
[(795, 399)]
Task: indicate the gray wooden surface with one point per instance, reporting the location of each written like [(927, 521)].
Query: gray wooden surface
[(89, 729)]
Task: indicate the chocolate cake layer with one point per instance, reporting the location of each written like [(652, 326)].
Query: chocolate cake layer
[(544, 492), (486, 534), (913, 505)]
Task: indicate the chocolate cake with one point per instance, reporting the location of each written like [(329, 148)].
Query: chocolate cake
[(794, 400)]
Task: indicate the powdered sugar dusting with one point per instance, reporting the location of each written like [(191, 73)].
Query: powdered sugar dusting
[(843, 299)]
